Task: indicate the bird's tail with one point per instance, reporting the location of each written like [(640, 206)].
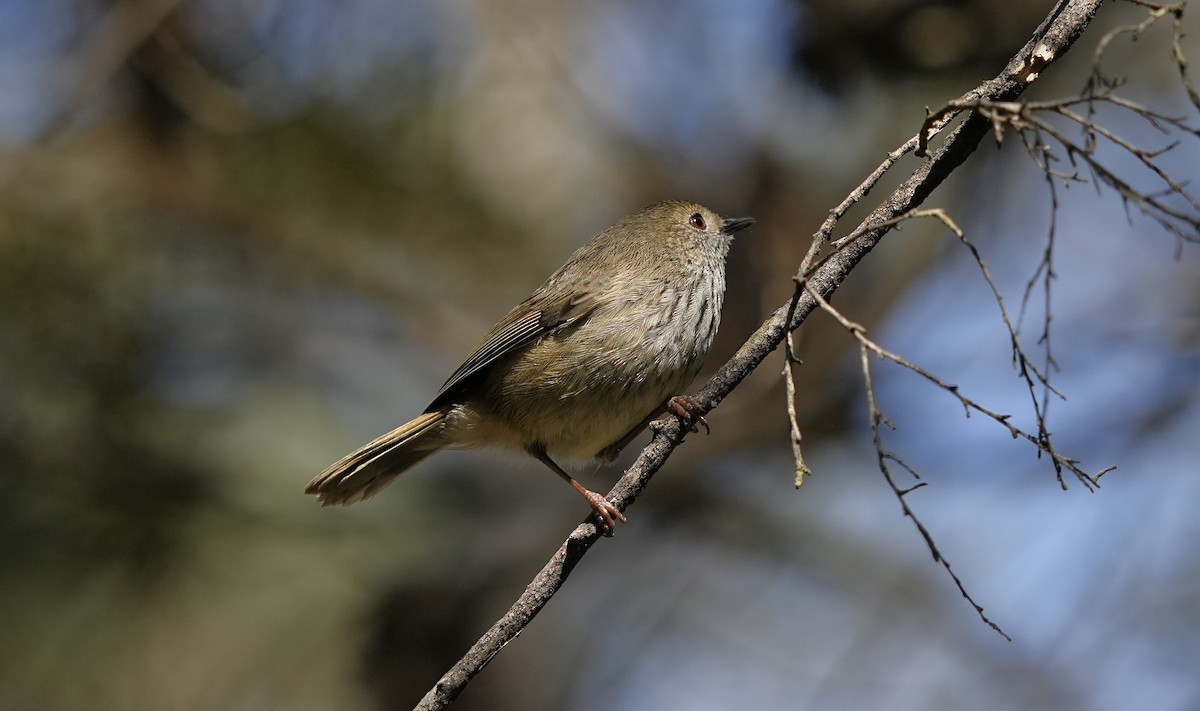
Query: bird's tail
[(361, 474)]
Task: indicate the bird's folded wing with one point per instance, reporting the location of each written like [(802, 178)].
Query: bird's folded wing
[(522, 326)]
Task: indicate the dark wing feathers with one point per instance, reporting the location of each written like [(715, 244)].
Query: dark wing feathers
[(522, 330), (536, 317)]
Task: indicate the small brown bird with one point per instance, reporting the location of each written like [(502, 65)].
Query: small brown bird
[(580, 367)]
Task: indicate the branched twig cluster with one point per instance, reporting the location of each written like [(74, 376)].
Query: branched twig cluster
[(884, 456), (1170, 204), (1030, 374), (1030, 121)]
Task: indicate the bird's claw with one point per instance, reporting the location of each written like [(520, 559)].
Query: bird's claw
[(686, 408), (606, 512)]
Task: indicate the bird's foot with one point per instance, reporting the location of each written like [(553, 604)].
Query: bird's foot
[(686, 408), (605, 511)]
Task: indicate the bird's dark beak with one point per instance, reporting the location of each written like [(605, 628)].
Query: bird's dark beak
[(729, 225)]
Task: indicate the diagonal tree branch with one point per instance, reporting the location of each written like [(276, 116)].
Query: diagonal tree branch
[(1065, 23)]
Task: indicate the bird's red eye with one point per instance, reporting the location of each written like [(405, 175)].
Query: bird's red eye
[(697, 221)]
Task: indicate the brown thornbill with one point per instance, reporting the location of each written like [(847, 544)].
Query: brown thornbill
[(579, 368)]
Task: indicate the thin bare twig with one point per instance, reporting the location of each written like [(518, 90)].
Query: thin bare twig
[(883, 455), (789, 378)]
